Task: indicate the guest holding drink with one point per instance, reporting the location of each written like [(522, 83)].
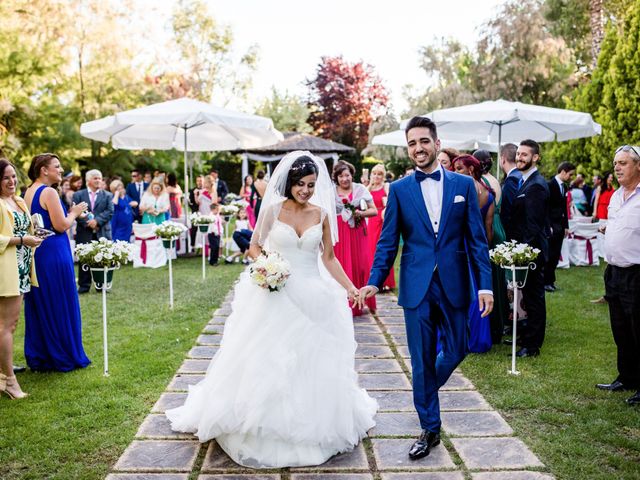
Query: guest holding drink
[(352, 250), (379, 190), (17, 270), (155, 203), (53, 324), (122, 220)]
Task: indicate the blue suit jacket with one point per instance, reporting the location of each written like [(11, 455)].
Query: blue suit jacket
[(132, 191), (461, 240)]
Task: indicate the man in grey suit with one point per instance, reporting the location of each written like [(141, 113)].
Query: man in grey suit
[(97, 224)]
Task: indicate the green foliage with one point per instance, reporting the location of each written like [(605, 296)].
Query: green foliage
[(288, 112)]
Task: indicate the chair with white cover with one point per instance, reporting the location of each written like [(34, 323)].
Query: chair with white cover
[(583, 244), (149, 251)]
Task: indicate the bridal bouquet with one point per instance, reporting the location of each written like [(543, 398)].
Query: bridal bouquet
[(169, 229), (104, 253), (270, 271), (198, 219), (513, 253)]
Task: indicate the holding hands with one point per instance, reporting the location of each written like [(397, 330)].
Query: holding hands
[(366, 292)]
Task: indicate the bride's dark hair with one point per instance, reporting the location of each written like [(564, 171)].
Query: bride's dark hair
[(300, 168)]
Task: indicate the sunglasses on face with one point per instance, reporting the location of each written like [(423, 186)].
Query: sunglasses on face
[(627, 148)]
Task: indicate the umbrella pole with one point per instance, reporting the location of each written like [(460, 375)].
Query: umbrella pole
[(185, 194), (499, 148)]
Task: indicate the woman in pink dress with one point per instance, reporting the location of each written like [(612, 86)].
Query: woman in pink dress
[(355, 204), (379, 191), (245, 193)]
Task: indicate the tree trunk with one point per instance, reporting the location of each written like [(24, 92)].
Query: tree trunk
[(596, 12)]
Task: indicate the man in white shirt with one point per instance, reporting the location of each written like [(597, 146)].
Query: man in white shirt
[(622, 276)]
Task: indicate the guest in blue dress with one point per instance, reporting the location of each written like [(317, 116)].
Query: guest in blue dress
[(53, 325), (122, 220), (479, 328)]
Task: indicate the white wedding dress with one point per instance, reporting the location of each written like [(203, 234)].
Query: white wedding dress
[(282, 390)]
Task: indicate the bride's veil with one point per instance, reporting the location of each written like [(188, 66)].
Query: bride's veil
[(323, 197)]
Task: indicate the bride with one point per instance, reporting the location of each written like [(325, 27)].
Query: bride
[(282, 390)]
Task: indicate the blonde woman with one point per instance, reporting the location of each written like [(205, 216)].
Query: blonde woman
[(155, 203), (379, 190), (17, 270)]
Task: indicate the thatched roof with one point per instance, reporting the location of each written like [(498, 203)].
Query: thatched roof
[(302, 141)]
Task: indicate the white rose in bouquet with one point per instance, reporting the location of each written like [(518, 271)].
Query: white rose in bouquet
[(270, 271)]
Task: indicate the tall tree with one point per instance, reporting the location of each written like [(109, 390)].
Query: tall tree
[(288, 112), (207, 49), (344, 99)]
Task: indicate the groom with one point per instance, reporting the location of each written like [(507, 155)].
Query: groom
[(436, 212)]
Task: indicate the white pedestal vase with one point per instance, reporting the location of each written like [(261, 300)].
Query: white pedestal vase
[(170, 244), (102, 278), (516, 279), (204, 228)]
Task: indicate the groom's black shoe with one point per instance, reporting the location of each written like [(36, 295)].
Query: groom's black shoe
[(424, 444), (615, 386), (528, 352)]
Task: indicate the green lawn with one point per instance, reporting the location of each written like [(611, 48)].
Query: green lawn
[(579, 432), (77, 424)]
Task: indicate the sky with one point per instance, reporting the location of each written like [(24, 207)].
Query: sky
[(292, 36)]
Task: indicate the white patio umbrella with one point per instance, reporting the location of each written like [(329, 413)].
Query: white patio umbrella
[(398, 138), (184, 124), (500, 121)]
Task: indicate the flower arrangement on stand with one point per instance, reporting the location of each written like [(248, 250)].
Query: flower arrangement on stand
[(270, 271), (229, 210), (169, 231), (201, 221), (102, 257), (516, 259)]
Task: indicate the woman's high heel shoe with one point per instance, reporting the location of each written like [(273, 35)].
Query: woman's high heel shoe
[(10, 386)]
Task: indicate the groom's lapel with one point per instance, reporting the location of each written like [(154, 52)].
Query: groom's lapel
[(448, 191), (418, 201)]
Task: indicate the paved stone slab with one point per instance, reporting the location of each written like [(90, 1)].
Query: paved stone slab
[(168, 401), (384, 381), (394, 401), (148, 476), (462, 400), (373, 351), (387, 320), (218, 320), (366, 328), (512, 475), (458, 382), (240, 476), (495, 453), (194, 366), (158, 426), (399, 339), (391, 454), (400, 330), (331, 476), (213, 328), (371, 338), (403, 350), (423, 476), (390, 312), (222, 312), (206, 339), (475, 424), (377, 365), (216, 459), (353, 460), (396, 424), (180, 383), (202, 352), (364, 319), (158, 455)]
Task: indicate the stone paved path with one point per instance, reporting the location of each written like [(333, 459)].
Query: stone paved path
[(477, 442)]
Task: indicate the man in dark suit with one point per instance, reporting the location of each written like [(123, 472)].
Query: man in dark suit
[(530, 224), (436, 213), (97, 224), (220, 185), (135, 189), (558, 220), (509, 184)]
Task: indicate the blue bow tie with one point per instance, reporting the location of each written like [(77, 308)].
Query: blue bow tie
[(420, 176)]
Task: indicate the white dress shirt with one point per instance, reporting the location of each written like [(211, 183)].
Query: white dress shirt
[(622, 236), (432, 193), (560, 184)]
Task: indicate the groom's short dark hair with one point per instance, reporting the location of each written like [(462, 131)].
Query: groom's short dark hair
[(422, 122)]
